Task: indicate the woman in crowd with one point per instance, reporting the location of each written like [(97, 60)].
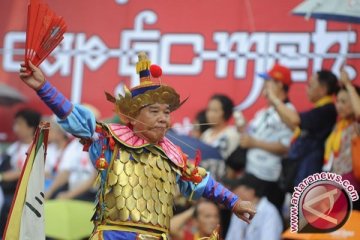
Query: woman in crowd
[(220, 135), (338, 152)]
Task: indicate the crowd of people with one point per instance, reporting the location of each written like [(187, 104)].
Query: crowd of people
[(69, 173), (260, 159), (267, 156)]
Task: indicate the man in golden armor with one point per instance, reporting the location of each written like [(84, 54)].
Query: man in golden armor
[(139, 168)]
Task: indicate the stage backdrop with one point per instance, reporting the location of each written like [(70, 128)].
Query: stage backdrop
[(204, 47)]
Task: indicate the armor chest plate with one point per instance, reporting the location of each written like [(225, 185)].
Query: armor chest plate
[(140, 188)]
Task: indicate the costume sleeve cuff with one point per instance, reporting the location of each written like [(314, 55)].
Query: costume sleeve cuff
[(218, 193)]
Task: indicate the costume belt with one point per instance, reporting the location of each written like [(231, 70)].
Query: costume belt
[(143, 232)]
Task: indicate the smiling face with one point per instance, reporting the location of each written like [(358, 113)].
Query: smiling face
[(152, 122)]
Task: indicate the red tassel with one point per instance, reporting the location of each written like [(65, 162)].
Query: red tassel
[(111, 143), (86, 147), (197, 157), (194, 177), (98, 129)]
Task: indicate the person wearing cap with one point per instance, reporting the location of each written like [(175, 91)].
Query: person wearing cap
[(267, 224), (311, 127), (138, 166), (267, 137)]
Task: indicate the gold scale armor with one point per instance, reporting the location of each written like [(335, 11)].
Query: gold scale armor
[(141, 181), (140, 188)]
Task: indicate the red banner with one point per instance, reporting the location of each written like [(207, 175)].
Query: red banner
[(204, 47)]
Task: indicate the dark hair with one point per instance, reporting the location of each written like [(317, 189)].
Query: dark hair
[(251, 181), (31, 117), (226, 103), (286, 88), (237, 159), (329, 80), (201, 119), (196, 210)]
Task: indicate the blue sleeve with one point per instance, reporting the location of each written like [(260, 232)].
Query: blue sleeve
[(188, 188), (208, 188), (80, 122), (76, 120), (55, 100), (216, 192)]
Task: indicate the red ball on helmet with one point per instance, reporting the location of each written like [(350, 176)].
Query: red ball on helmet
[(155, 71)]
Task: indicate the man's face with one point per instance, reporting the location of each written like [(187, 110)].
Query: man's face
[(208, 218), (152, 122), (315, 90), (245, 193), (273, 85), (22, 130)]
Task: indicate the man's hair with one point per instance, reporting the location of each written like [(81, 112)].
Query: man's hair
[(226, 103), (196, 210), (329, 80), (251, 181), (31, 117), (286, 88), (237, 159)]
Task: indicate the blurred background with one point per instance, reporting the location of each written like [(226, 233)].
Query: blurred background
[(204, 47)]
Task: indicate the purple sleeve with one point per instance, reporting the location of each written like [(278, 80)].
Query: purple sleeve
[(55, 100), (216, 192)]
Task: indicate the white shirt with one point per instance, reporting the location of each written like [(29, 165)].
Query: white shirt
[(77, 162), (226, 141), (52, 157), (267, 126), (17, 152), (266, 224)]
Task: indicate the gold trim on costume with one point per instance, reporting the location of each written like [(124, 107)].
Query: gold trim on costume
[(131, 106), (113, 225), (128, 106)]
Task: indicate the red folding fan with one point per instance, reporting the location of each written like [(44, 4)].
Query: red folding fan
[(44, 32)]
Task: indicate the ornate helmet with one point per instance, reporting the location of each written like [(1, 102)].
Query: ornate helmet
[(146, 93)]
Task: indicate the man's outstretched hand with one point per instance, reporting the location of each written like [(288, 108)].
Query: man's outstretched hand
[(244, 210), (34, 78)]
